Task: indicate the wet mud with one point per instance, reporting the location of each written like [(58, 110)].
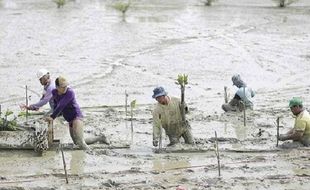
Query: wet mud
[(102, 56)]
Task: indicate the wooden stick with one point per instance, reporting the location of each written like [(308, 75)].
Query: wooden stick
[(225, 95), (131, 123), (244, 108), (160, 136), (64, 163), (278, 126), (217, 155), (26, 104), (126, 106), (0, 111)]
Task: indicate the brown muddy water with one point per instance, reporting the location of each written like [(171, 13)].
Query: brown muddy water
[(102, 56)]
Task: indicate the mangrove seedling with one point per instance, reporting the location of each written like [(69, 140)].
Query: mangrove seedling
[(182, 81), (6, 124), (122, 7)]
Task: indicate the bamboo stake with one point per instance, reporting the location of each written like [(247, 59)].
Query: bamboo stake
[(160, 136), (126, 106), (278, 126), (225, 95), (244, 108), (131, 123), (26, 104), (217, 155), (64, 163), (132, 105)]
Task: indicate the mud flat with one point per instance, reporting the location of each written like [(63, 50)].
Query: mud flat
[(102, 56)]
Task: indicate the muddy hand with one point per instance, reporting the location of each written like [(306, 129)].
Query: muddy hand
[(23, 106)]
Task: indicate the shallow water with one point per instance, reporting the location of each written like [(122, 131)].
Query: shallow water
[(102, 56)]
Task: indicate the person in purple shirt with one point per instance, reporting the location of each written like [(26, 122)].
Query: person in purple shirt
[(66, 104), (45, 80)]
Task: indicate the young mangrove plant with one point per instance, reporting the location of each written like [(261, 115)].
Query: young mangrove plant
[(182, 81), (60, 3), (122, 7), (6, 124)]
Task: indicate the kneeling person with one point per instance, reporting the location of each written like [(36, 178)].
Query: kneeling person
[(301, 131), (167, 114), (242, 98)]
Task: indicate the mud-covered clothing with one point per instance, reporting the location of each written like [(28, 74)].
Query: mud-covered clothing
[(169, 118), (66, 105), (242, 95), (302, 124), (46, 97)]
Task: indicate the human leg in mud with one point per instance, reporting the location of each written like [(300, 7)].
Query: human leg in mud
[(187, 134), (232, 105), (77, 135), (76, 128)]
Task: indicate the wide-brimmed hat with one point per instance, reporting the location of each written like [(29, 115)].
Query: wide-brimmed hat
[(159, 91), (295, 101)]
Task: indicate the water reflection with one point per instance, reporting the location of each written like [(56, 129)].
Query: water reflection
[(162, 165), (77, 162)]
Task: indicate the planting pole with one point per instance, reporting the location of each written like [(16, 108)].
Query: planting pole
[(132, 105), (64, 163), (244, 107), (278, 126), (160, 136), (131, 123), (217, 155), (26, 104), (126, 106)]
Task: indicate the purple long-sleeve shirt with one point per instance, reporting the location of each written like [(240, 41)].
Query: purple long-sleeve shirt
[(66, 104), (46, 97)]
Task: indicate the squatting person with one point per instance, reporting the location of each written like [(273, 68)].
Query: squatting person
[(242, 96)]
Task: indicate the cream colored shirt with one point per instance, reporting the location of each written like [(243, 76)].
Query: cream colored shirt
[(168, 117), (302, 124)]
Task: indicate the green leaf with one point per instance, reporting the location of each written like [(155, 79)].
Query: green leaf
[(8, 112), (133, 104)]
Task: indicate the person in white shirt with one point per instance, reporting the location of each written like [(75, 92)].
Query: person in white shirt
[(242, 98)]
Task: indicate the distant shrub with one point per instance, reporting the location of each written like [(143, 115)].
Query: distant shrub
[(209, 2), (60, 3), (284, 3), (122, 7)]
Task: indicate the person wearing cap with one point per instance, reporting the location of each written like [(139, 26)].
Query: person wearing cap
[(44, 77), (167, 114), (300, 133), (65, 103), (242, 98)]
